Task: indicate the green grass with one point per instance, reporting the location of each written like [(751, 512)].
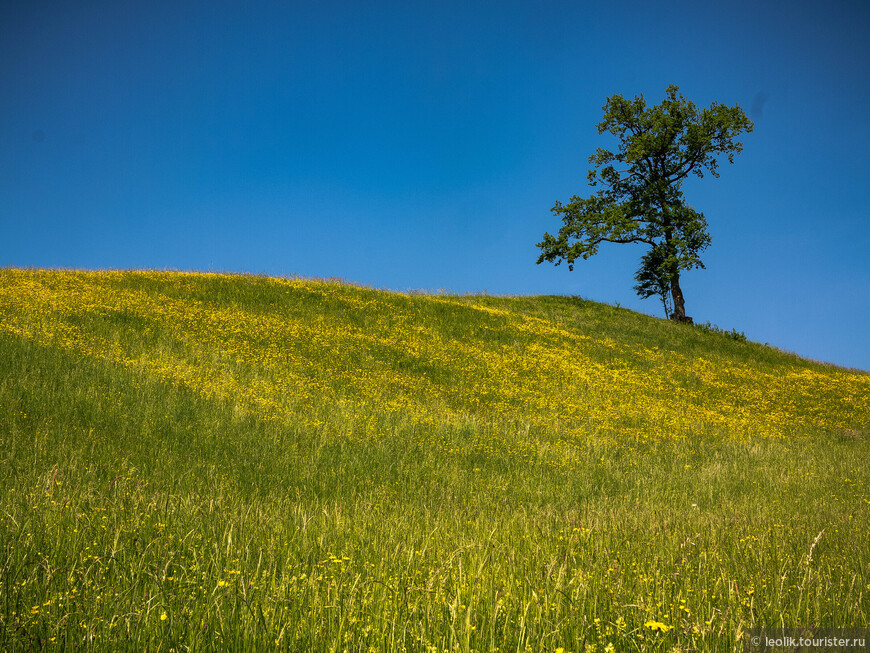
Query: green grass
[(411, 473)]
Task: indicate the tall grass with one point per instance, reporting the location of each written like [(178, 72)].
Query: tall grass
[(212, 462)]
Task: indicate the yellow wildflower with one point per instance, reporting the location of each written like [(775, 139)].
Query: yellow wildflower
[(657, 626)]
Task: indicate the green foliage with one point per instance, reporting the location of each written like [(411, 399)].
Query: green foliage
[(654, 276), (734, 334), (641, 198)]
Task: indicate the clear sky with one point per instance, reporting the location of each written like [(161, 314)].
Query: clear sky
[(417, 145)]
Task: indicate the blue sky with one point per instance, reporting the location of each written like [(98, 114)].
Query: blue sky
[(410, 145)]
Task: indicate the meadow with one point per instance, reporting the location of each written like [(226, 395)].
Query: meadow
[(206, 462)]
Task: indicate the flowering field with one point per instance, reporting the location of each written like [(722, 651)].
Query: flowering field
[(203, 462)]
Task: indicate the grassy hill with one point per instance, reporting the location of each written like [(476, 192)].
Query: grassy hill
[(203, 462)]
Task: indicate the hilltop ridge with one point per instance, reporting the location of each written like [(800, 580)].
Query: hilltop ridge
[(574, 368)]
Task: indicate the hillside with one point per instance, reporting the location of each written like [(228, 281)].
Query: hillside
[(203, 460)]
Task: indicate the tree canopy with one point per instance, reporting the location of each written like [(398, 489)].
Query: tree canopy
[(640, 197)]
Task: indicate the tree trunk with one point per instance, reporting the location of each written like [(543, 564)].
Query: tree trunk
[(679, 314)]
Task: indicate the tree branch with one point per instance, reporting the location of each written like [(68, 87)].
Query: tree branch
[(626, 241)]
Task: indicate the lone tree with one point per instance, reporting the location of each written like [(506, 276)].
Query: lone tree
[(641, 199)]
